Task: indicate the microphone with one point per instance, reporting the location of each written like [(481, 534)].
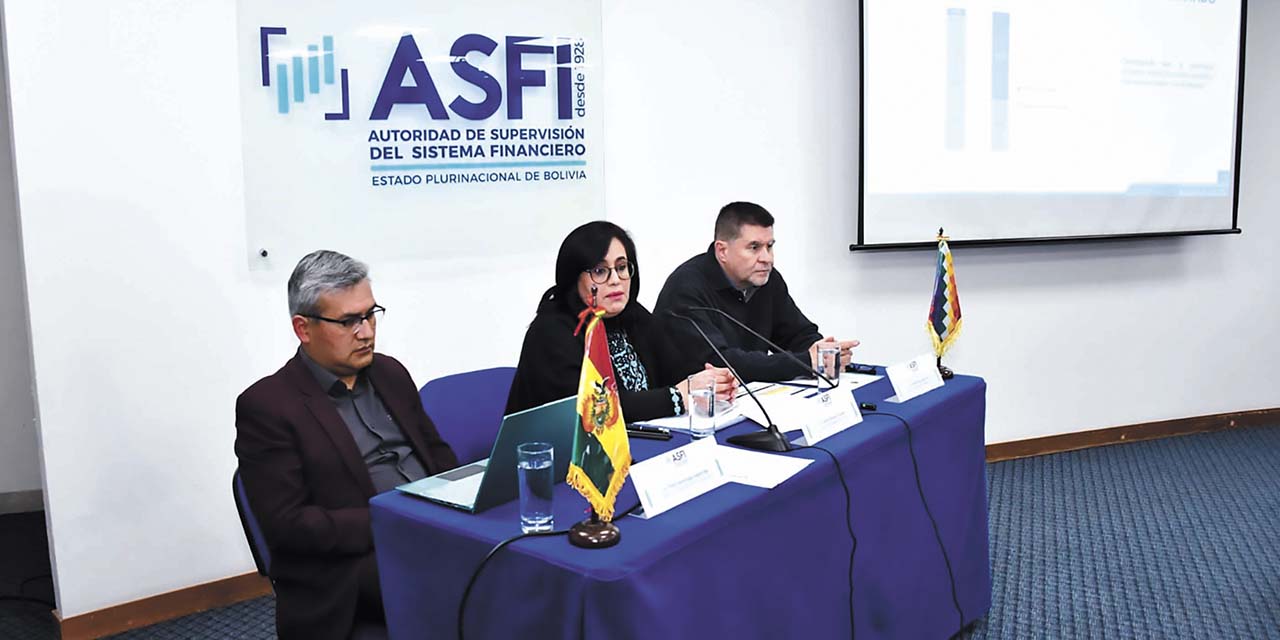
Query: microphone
[(776, 348), (771, 439)]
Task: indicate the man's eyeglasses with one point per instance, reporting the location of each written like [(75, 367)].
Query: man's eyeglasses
[(353, 322), (600, 274)]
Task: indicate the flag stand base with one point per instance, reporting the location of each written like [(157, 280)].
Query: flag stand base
[(946, 372), (593, 533)]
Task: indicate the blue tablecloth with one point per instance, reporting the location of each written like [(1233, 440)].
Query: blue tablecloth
[(738, 562)]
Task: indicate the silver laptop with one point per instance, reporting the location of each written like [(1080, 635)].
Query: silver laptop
[(490, 482)]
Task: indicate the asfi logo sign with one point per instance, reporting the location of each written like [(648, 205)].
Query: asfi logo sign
[(407, 60), (407, 92), (382, 125)]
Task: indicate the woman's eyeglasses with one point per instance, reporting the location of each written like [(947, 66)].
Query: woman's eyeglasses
[(600, 273)]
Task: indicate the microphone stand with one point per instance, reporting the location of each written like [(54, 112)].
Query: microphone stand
[(776, 348), (771, 439)]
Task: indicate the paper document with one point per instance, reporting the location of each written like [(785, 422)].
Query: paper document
[(756, 387), (848, 381), (785, 405), (726, 414), (771, 394), (764, 470), (680, 424), (779, 405)]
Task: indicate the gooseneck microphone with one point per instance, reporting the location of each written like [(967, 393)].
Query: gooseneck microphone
[(776, 348), (771, 439)]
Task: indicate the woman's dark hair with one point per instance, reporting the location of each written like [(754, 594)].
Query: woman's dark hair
[(584, 248)]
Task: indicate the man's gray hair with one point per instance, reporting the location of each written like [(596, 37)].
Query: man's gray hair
[(321, 272)]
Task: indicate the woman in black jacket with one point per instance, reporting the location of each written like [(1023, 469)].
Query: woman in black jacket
[(598, 260)]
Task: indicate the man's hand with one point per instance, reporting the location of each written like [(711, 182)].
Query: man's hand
[(845, 346)]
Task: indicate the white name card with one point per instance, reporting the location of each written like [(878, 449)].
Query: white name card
[(914, 377), (830, 412), (818, 415), (677, 476)]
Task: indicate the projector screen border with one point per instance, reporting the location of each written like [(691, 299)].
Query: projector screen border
[(1055, 240), (861, 245)]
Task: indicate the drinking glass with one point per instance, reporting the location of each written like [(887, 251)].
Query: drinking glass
[(535, 462), (828, 365), (702, 410)]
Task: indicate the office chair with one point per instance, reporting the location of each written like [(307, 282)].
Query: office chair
[(467, 409), (262, 554), (252, 529)]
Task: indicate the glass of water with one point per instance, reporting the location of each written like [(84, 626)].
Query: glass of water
[(535, 462), (828, 365), (702, 410)]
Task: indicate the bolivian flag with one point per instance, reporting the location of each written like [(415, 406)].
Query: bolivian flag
[(601, 452), (944, 309)]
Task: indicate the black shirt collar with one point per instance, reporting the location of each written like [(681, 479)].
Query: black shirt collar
[(331, 383)]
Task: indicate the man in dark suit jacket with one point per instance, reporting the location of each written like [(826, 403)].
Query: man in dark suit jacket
[(335, 426)]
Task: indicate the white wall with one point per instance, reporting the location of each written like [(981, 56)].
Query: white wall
[(146, 322), (720, 100), (19, 450)]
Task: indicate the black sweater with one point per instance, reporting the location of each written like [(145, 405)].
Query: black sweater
[(551, 361), (701, 282)]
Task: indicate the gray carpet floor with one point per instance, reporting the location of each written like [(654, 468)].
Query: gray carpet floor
[(1174, 538)]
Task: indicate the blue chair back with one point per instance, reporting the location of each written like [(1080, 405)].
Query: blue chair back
[(364, 630), (467, 409), (252, 529)]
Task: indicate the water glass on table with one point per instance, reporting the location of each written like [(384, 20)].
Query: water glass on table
[(535, 463), (828, 365), (702, 409)]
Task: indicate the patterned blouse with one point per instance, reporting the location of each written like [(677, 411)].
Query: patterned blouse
[(626, 364), (630, 372)]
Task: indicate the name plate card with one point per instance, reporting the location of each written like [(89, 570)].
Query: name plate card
[(817, 414), (677, 476), (913, 377), (830, 412)]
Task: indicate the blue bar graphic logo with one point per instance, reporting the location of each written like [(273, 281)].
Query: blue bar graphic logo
[(301, 76), (531, 62)]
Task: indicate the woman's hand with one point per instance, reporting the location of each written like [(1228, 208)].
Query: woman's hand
[(722, 379)]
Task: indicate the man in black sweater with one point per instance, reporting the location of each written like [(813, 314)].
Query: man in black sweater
[(736, 275)]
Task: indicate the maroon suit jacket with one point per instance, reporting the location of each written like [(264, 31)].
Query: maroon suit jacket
[(310, 489)]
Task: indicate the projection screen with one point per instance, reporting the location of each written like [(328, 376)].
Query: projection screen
[(1008, 121)]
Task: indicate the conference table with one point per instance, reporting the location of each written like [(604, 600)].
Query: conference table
[(740, 561)]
